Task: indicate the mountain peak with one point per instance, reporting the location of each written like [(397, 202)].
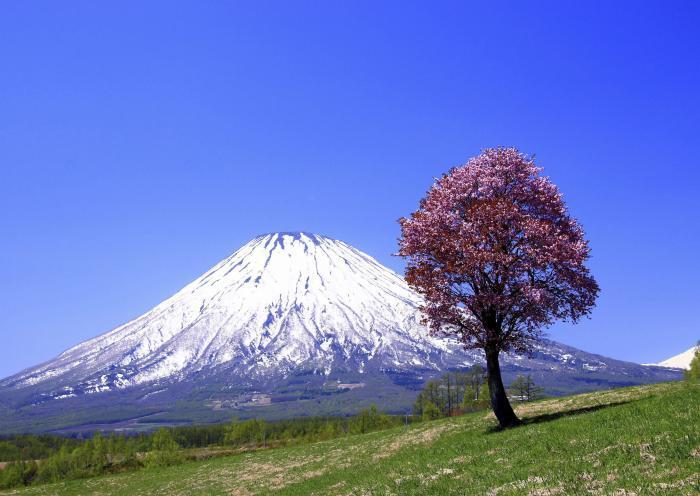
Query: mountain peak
[(293, 235), (283, 300), (281, 237)]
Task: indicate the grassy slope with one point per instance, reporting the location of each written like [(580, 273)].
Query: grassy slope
[(640, 440)]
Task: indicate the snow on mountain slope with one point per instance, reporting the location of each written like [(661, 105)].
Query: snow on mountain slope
[(680, 361), (285, 314), (281, 301)]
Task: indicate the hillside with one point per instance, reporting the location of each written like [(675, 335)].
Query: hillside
[(639, 440)]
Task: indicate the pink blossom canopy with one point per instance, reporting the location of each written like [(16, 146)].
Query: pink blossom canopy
[(495, 254)]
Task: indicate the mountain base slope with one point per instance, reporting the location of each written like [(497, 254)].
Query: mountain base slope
[(140, 409)]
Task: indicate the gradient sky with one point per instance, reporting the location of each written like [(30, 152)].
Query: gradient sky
[(140, 144)]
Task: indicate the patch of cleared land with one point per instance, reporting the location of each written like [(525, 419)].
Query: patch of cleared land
[(632, 441)]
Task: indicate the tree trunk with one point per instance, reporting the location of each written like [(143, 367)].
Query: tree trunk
[(499, 400)]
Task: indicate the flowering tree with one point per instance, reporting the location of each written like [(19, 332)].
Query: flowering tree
[(497, 258)]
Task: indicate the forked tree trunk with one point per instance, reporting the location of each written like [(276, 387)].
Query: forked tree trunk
[(499, 400)]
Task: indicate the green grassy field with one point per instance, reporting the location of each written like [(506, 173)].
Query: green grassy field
[(640, 440)]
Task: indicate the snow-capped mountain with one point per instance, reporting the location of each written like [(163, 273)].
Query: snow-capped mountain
[(288, 316), (282, 301), (680, 361)]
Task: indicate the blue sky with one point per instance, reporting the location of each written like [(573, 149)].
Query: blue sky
[(140, 144)]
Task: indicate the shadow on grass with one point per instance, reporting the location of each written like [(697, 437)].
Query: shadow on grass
[(547, 417)]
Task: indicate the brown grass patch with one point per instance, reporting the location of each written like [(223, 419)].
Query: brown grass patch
[(424, 435)]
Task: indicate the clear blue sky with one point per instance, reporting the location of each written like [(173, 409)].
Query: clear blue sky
[(140, 144)]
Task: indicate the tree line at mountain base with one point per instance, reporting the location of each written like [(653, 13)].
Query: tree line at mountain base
[(457, 393), (44, 459)]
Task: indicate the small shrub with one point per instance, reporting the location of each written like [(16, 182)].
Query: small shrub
[(693, 373), (164, 450)]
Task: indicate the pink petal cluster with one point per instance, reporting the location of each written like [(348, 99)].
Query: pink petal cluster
[(495, 253)]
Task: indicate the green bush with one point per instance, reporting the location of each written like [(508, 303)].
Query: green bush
[(164, 450), (17, 474), (249, 432), (693, 373), (430, 411), (369, 420)]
